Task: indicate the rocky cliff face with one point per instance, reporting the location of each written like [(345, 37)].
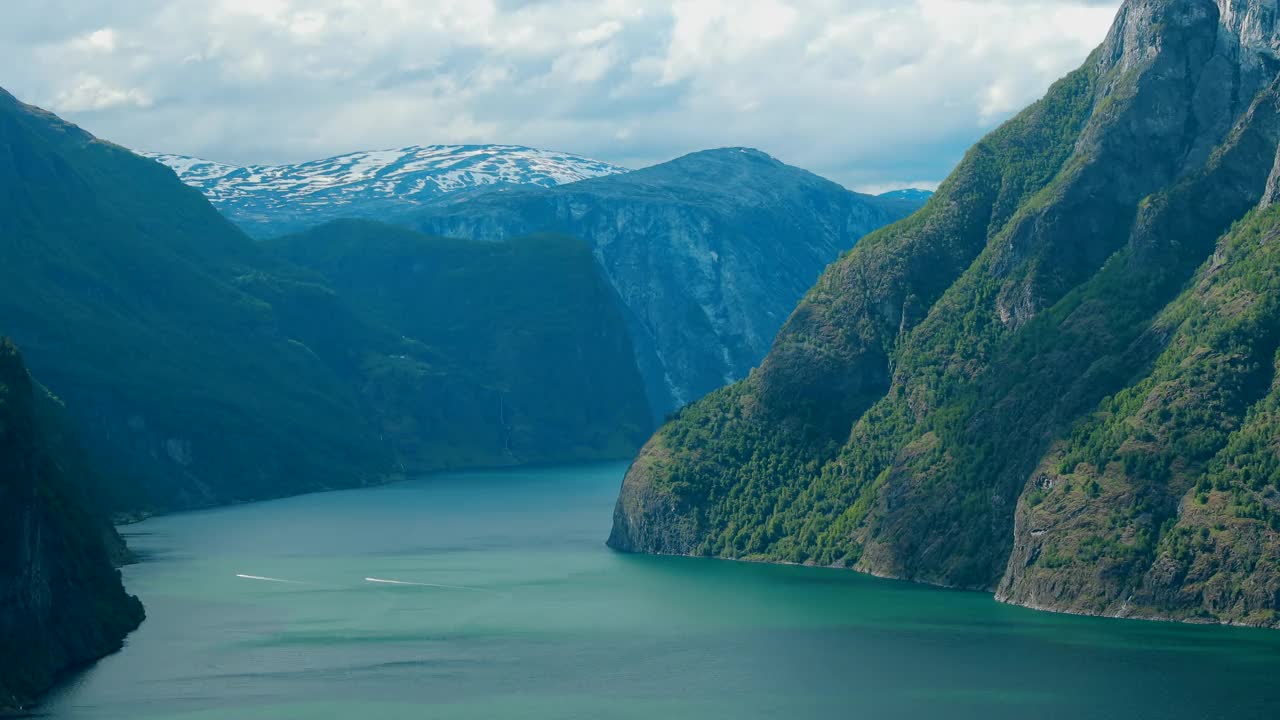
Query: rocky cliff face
[(708, 252), (61, 601), (1054, 381)]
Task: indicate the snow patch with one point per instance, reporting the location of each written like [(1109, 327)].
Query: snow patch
[(376, 176)]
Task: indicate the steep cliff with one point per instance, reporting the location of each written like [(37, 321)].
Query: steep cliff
[(1054, 381), (61, 601), (709, 252)]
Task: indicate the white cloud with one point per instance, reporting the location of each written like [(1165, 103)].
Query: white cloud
[(101, 40), (711, 33), (599, 33), (88, 92), (307, 24), (864, 91), (270, 11), (583, 67)]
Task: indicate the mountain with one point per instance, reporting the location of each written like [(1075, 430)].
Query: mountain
[(1057, 382), (529, 355), (709, 252), (62, 603), (127, 292), (276, 199), (200, 368)]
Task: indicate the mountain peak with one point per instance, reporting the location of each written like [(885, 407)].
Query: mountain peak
[(739, 152), (738, 172), (1143, 27), (727, 155)]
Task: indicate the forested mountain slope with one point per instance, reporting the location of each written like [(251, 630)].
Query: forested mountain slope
[(1056, 381)]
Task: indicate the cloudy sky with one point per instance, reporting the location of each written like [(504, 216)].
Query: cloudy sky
[(871, 93)]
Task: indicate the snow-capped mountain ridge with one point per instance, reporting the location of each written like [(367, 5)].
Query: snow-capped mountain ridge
[(370, 183)]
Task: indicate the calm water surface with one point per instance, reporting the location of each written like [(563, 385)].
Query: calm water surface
[(506, 604)]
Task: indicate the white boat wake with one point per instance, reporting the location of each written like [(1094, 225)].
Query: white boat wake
[(268, 579), (382, 581)]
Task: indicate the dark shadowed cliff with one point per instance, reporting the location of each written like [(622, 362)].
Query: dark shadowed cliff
[(61, 601)]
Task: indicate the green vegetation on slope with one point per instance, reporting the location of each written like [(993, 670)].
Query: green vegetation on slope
[(1180, 465), (739, 460)]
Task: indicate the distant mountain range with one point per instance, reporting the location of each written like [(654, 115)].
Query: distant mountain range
[(709, 252), (276, 199), (267, 200)]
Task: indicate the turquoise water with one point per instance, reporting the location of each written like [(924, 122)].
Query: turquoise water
[(521, 612)]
